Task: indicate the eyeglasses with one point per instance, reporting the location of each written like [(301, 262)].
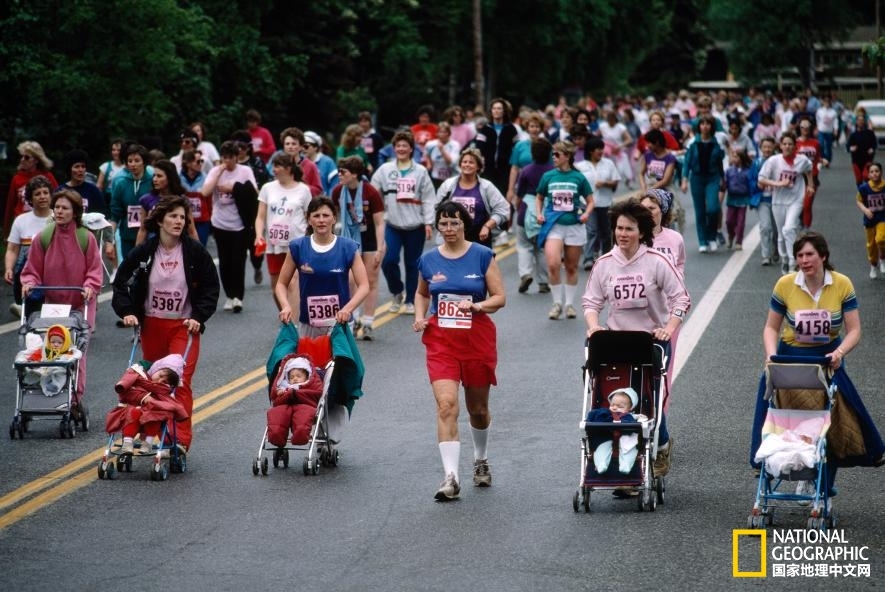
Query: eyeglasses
[(452, 225)]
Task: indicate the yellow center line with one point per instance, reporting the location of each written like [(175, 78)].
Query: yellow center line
[(60, 482)]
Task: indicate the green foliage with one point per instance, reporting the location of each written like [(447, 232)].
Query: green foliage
[(875, 52), (78, 73), (768, 36)]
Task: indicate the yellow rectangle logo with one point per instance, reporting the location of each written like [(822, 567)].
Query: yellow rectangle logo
[(763, 553)]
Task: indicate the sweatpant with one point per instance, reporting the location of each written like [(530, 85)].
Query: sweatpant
[(787, 218), (232, 251)]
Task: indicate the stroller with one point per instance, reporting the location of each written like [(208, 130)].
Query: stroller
[(617, 360), (114, 459), (337, 358), (800, 395), (46, 389)]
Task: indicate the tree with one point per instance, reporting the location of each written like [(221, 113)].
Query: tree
[(767, 36)]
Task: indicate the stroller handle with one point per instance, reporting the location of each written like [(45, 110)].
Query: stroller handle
[(136, 340), (819, 360)]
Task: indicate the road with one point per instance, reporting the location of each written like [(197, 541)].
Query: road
[(372, 524)]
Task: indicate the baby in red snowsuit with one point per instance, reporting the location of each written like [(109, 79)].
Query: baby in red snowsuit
[(146, 402), (294, 395)]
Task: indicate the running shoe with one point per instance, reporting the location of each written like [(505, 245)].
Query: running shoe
[(543, 288), (662, 460), (237, 305), (555, 312), (259, 276), (703, 249), (128, 447), (570, 312), (396, 303), (713, 246), (766, 261), (228, 304), (448, 490), (16, 309), (410, 308), (524, 283), (482, 476), (882, 266), (739, 247), (366, 333), (873, 272)]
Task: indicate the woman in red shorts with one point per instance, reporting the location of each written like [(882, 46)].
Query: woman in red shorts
[(460, 284)]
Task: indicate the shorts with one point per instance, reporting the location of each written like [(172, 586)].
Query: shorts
[(468, 356), (572, 235), (275, 263)]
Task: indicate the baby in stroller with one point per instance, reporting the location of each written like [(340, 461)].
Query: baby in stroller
[(147, 401), (295, 395), (620, 404), (58, 347)]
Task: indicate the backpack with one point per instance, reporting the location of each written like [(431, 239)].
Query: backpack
[(47, 233)]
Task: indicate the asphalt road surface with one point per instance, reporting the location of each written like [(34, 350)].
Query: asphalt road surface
[(371, 523)]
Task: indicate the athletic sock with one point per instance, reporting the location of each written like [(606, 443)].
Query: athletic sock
[(480, 443), (450, 452), (570, 290), (556, 293)]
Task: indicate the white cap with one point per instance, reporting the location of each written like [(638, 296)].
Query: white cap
[(313, 138), (634, 398)]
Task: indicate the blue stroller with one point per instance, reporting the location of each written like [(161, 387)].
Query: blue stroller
[(616, 360), (793, 452)]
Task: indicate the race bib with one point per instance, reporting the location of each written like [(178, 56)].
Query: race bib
[(321, 310), (368, 145), (449, 316), (133, 216), (789, 176), (656, 169), (813, 326), (196, 207), (405, 189), (629, 291), (876, 202), (165, 303), (278, 234), (563, 201), (467, 202)]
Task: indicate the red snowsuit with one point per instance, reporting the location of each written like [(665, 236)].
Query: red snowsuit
[(293, 407), (144, 406)]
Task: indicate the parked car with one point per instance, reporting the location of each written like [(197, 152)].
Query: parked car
[(876, 114)]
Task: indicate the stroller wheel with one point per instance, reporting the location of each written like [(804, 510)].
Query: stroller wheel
[(255, 466), (285, 457), (110, 471), (576, 503), (264, 466), (659, 489)]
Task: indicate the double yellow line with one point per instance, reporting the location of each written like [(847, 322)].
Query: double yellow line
[(49, 488)]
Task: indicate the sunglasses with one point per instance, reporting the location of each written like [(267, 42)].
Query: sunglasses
[(27, 157), (557, 154)]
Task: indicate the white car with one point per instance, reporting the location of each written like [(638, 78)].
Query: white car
[(876, 115)]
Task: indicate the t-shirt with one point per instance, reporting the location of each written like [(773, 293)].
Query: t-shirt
[(656, 166), (323, 277), (286, 214), (874, 200), (25, 227), (372, 204), (93, 198), (818, 322), (224, 210), (603, 171), (565, 192), (777, 168), (439, 168), (460, 277)]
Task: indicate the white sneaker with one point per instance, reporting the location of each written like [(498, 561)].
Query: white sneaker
[(396, 303), (228, 304), (873, 272), (882, 266), (766, 261), (449, 490), (410, 308), (713, 246), (238, 305), (703, 249), (15, 309)]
